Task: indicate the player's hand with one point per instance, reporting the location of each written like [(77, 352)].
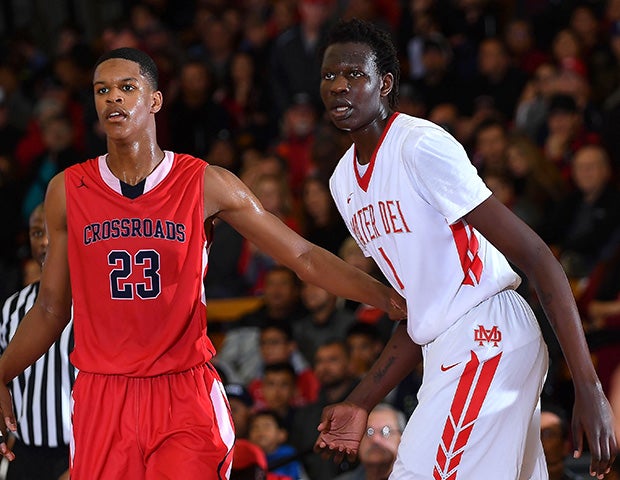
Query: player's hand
[(6, 411), (341, 429), (592, 415), (398, 306)]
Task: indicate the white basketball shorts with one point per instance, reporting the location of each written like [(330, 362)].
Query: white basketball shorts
[(478, 415)]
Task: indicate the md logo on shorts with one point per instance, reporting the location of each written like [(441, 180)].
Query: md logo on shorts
[(482, 335)]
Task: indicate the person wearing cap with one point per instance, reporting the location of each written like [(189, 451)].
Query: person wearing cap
[(241, 405)]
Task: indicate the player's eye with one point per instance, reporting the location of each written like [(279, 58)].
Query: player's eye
[(328, 76), (128, 88), (102, 90)]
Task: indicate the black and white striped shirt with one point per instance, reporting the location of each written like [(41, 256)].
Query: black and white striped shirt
[(42, 394)]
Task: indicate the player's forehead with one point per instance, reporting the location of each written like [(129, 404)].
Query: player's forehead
[(117, 69), (348, 54)]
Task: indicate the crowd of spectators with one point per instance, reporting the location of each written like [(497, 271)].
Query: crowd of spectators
[(531, 89)]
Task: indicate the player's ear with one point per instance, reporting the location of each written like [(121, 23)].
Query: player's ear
[(157, 100), (387, 83)]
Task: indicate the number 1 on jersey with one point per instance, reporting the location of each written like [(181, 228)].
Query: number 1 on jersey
[(391, 265)]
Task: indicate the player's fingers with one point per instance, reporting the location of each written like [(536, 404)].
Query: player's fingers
[(602, 456), (6, 410), (577, 432)]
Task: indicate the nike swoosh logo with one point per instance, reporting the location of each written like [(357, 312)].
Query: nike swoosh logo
[(445, 369), (349, 197)]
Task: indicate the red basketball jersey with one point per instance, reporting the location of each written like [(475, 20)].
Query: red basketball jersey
[(137, 268)]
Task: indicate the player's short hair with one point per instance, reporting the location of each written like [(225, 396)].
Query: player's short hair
[(379, 41), (148, 68)]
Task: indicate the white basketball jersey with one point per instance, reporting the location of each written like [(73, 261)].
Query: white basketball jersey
[(406, 212)]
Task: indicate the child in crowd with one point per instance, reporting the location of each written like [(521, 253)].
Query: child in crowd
[(268, 432)]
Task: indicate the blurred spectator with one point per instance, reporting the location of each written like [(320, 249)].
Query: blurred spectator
[(325, 320), (15, 98), (554, 433), (267, 431), (583, 223), (245, 98), (295, 63), (599, 305), (256, 41), (297, 135), (54, 101), (418, 24), (521, 45), (331, 367), (329, 145), (536, 181), (365, 345), (321, 223), (490, 146), (249, 462), (59, 154), (274, 193), (119, 34), (215, 48), (241, 405), (9, 133), (195, 119), (531, 111), (585, 23), (378, 447), (439, 84), (446, 115), (497, 78), (384, 13), (277, 347), (223, 152), (226, 275), (351, 253), (240, 349), (277, 391), (565, 132), (567, 51), (73, 72)]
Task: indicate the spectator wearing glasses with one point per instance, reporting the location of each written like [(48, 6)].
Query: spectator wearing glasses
[(378, 447)]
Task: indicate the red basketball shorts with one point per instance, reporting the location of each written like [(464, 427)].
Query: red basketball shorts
[(165, 427)]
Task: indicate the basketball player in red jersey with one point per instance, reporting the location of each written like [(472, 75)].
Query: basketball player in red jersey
[(128, 247)]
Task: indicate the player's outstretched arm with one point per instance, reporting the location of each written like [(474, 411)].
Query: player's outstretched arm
[(50, 313), (343, 425), (592, 414), (231, 200)]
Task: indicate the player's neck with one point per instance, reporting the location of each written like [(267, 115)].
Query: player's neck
[(367, 138), (133, 162)]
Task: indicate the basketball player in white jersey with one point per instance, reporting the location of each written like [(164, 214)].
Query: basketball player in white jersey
[(414, 202)]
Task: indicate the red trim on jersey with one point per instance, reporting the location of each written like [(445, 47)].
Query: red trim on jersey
[(364, 180), (468, 399), (467, 246), (391, 265)]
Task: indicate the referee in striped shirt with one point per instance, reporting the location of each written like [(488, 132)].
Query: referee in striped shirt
[(42, 394)]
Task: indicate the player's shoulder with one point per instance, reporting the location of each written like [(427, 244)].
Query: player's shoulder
[(415, 129)]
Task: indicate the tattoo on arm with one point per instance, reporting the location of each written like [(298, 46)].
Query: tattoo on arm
[(381, 372)]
